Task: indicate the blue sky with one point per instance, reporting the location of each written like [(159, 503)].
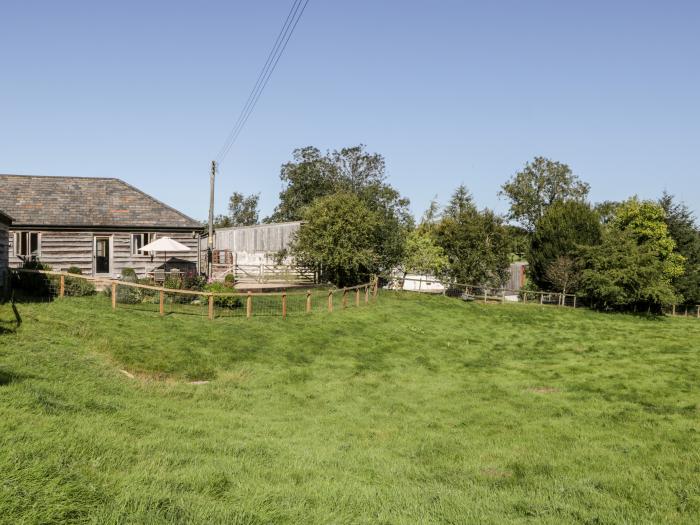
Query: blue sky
[(449, 92)]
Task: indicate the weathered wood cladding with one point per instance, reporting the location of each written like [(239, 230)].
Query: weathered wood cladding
[(4, 255), (63, 249), (263, 238)]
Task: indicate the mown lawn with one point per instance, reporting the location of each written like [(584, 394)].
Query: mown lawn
[(414, 410)]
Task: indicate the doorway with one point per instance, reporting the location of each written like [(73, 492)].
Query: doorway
[(102, 255)]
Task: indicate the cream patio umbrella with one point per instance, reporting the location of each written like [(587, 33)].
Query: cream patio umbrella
[(165, 245)]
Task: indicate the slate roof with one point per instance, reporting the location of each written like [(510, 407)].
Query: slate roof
[(85, 202)]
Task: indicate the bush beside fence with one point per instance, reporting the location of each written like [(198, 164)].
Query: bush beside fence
[(48, 285)]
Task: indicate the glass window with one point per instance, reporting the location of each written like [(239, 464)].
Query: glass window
[(139, 240), (27, 244)]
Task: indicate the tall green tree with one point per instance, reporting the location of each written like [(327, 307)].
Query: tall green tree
[(622, 274), (350, 170), (606, 210), (683, 228), (460, 202), (243, 210), (423, 255), (646, 220), (539, 185), (635, 265), (309, 176), (564, 227), (476, 244), (342, 238)]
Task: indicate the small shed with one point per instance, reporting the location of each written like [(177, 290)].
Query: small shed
[(5, 222)]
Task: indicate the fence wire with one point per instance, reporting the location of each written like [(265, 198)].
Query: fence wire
[(123, 295)]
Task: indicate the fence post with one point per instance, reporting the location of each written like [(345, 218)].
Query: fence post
[(524, 297), (503, 297), (161, 306), (211, 307), (673, 310), (62, 289), (308, 301), (330, 300), (284, 305), (574, 301), (485, 292), (249, 305), (541, 298), (345, 298), (357, 297), (114, 296), (367, 295)]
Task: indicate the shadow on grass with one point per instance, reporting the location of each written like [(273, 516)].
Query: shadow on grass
[(8, 377), (10, 326)]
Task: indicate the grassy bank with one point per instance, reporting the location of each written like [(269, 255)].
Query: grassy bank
[(418, 409)]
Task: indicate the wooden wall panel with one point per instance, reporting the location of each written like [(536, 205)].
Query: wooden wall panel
[(62, 250), (4, 247), (263, 238)]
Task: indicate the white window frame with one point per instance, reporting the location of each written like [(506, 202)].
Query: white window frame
[(145, 238), (17, 243)]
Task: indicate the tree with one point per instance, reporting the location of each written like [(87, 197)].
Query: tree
[(606, 211), (621, 273), (539, 185), (684, 231), (243, 210), (350, 170), (220, 221), (432, 214), (342, 239), (519, 241), (563, 274), (564, 227), (636, 263), (646, 221), (422, 255), (309, 176), (460, 202), (476, 245)]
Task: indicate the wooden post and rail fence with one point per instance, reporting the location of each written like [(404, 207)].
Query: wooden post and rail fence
[(112, 286), (370, 289)]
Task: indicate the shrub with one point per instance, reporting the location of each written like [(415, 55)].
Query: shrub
[(230, 279), (194, 282), (129, 274), (74, 270), (33, 284), (226, 301), (77, 287)]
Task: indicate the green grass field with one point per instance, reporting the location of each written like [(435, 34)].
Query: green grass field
[(413, 410)]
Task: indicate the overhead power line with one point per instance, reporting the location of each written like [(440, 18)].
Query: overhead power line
[(273, 58)]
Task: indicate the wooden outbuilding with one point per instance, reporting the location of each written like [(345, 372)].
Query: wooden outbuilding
[(95, 224)]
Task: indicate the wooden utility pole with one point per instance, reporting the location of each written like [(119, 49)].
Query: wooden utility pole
[(210, 240)]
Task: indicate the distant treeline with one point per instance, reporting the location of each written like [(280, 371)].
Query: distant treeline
[(629, 255)]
